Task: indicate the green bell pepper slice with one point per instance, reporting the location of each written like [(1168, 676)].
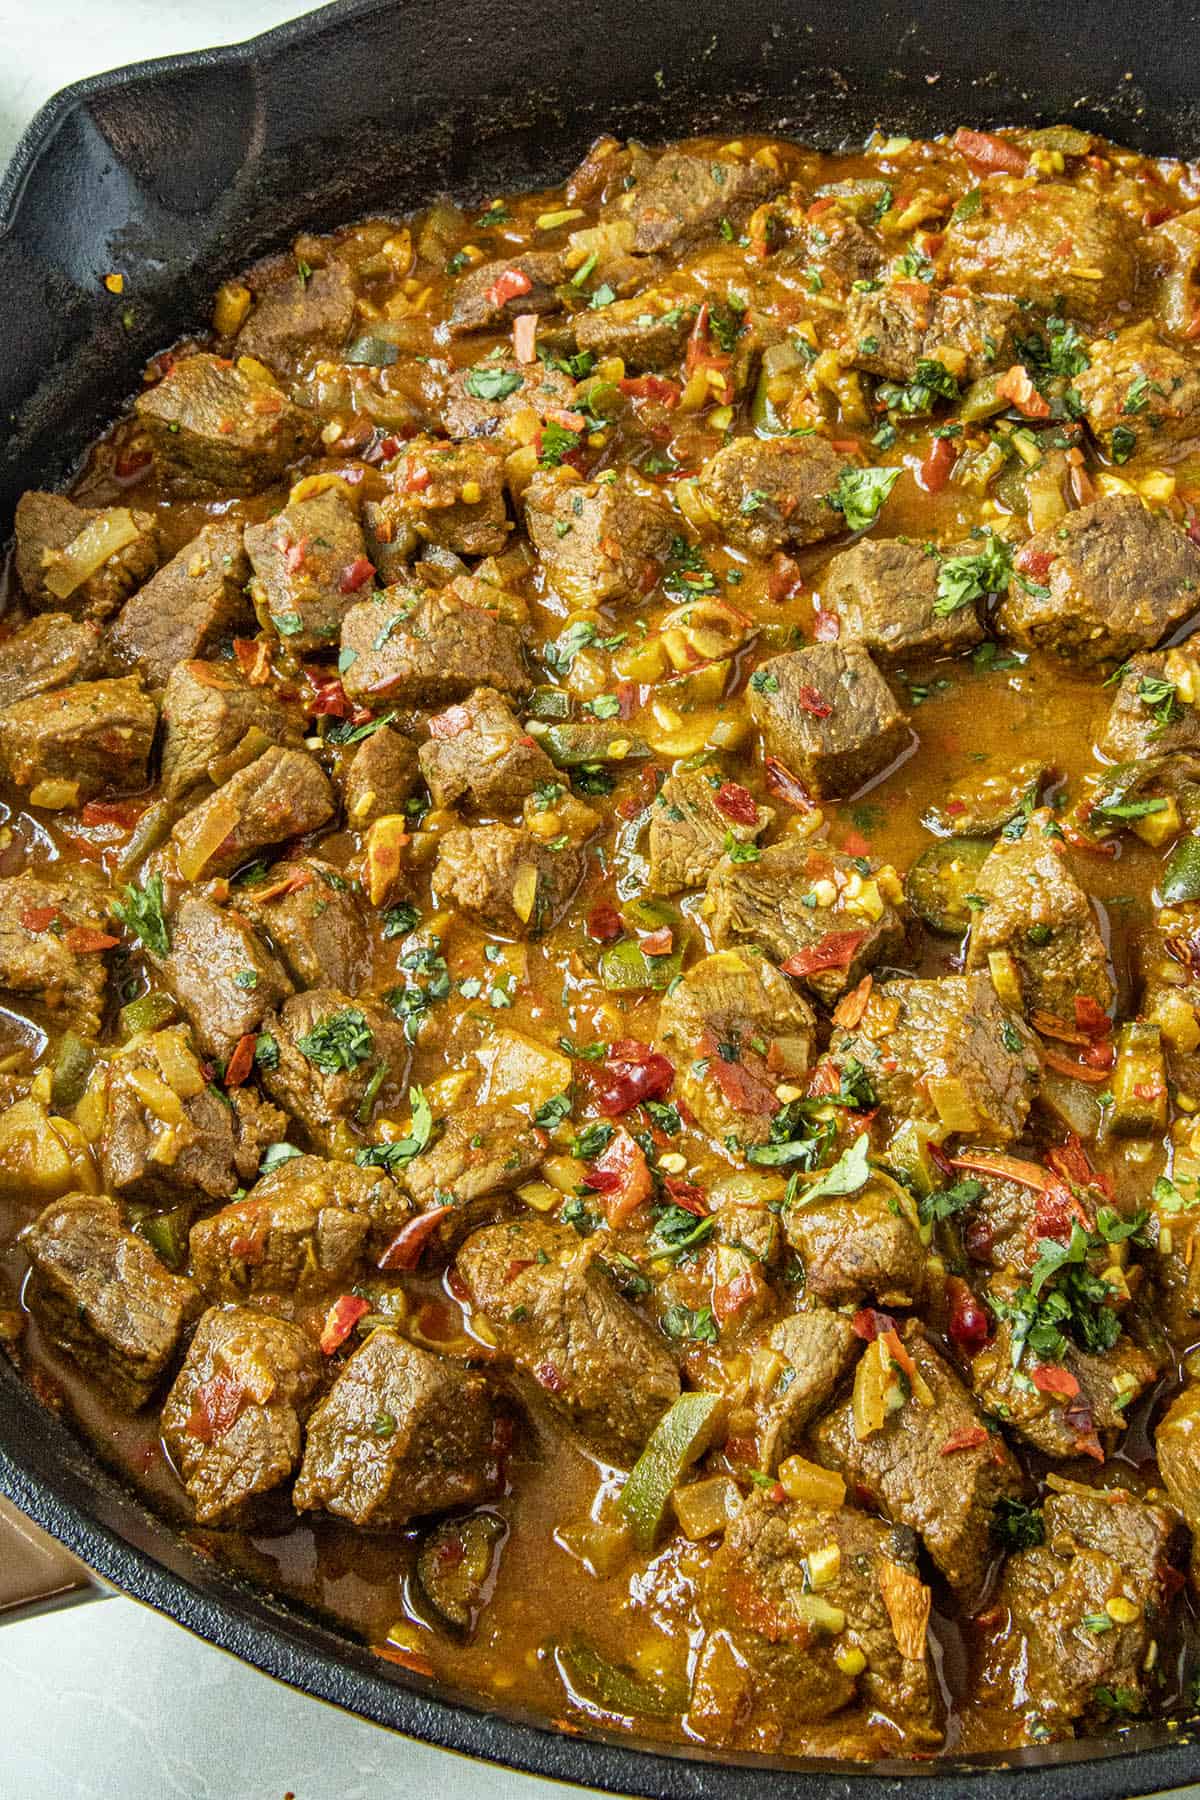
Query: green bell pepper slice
[(679, 1439)]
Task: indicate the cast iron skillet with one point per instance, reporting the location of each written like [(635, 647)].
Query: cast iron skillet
[(180, 172)]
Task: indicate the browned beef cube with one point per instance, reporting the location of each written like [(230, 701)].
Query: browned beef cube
[(947, 1051), (816, 1349), (480, 397), (769, 492), (735, 1027), (890, 329), (1099, 1547), (93, 738), (232, 1420), (102, 1295), (1038, 922), (647, 331), (1177, 1447), (811, 903), (168, 1137), (426, 647), (684, 196), (485, 301), (690, 831), (44, 926), (507, 877), (194, 601), (864, 1246), (282, 794), (1113, 578), (451, 495), (883, 593), (52, 650), (770, 1653), (841, 250), (478, 751), (342, 1187), (598, 540), (477, 1161), (382, 775), (296, 1241), (399, 1434), (315, 919), (299, 316), (948, 1499), (558, 1317), (330, 1048), (221, 423), (1061, 247), (391, 544), (309, 561), (48, 525), (1148, 718), (1144, 390), (828, 715), (213, 722), (221, 972)]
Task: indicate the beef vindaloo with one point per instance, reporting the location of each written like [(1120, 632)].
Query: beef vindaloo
[(600, 935)]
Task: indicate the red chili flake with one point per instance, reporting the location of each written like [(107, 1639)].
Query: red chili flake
[(731, 1296), (624, 1159), (855, 844), (509, 285), (1091, 1017), (651, 387), (687, 1194), (253, 658), (824, 1079), (1049, 1378), (785, 580), (81, 939), (416, 479), (813, 702), (547, 1376), (451, 723), (294, 554), (868, 1323), (785, 786), (737, 803), (836, 950), (969, 1324), (741, 1088), (216, 1404), (340, 1321), (604, 924), (356, 575), (1016, 385), (1100, 1056), (626, 1083), (241, 1062), (1063, 1065), (38, 918), (987, 151), (658, 943), (968, 1438), (329, 698), (850, 1008), (404, 1251), (1034, 563)]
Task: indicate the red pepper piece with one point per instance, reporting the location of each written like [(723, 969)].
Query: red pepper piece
[(737, 803), (987, 151), (404, 1251), (340, 1321), (509, 285), (836, 950)]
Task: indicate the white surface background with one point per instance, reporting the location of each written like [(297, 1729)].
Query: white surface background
[(109, 1701)]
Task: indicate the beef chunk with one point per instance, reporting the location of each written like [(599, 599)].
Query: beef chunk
[(482, 396), (507, 877), (1141, 389), (864, 1246), (330, 1047), (300, 316), (427, 648), (1177, 1446), (811, 905), (684, 196), (475, 1163), (734, 1027), (689, 830), (315, 919), (92, 738), (841, 249), (947, 1051), (647, 331), (168, 1137), (883, 592), (309, 560), (1098, 1547), (770, 492), (52, 650), (194, 601), (224, 424), (341, 1187), (43, 963), (232, 1419), (1147, 720), (828, 715), (478, 751), (595, 1361), (1038, 921), (293, 1240), (1167, 972), (451, 495), (221, 972), (102, 1295), (485, 301), (213, 723), (399, 1434), (776, 1654), (1058, 246), (282, 794), (598, 540), (1118, 578), (809, 1353), (890, 330), (382, 775), (47, 525), (949, 1498)]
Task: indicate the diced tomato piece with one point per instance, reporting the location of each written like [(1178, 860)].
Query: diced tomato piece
[(625, 1180), (731, 1296), (968, 1438), (934, 472), (987, 151), (658, 943), (854, 843), (786, 578), (216, 1404), (813, 702), (836, 950), (604, 924), (1049, 1378), (509, 285), (241, 1062), (82, 939), (1016, 384), (651, 387), (404, 1251), (451, 723), (253, 658), (868, 1322), (356, 575), (39, 918), (340, 1321), (737, 803), (1034, 563)]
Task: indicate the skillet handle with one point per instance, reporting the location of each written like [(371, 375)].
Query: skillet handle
[(36, 1573)]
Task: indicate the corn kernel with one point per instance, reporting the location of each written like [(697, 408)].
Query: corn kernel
[(1122, 1611), (850, 1660), (673, 1162), (471, 493)]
